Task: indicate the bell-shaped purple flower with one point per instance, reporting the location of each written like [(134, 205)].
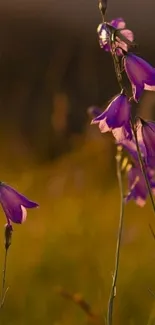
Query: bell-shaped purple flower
[(104, 33), (146, 133), (116, 118), (14, 204), (140, 73), (137, 186)]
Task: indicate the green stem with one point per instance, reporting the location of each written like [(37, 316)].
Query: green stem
[(117, 253), (3, 292)]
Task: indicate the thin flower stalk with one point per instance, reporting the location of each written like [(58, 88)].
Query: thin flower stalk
[(118, 245), (8, 236), (3, 292)]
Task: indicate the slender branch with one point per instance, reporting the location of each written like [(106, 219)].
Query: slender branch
[(103, 7), (116, 66), (8, 236), (3, 292), (152, 231), (142, 165), (120, 228)]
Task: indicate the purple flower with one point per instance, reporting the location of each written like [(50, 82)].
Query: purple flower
[(138, 190), (14, 204), (140, 73), (104, 32), (116, 118), (137, 186), (146, 133)]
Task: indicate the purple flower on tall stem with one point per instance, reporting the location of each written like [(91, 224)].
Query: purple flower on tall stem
[(104, 33), (146, 133), (14, 204), (116, 118), (138, 190), (140, 73)]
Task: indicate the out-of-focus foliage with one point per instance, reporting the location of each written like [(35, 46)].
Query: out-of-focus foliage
[(70, 242), (51, 71)]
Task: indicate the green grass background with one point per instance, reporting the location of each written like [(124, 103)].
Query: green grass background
[(70, 242)]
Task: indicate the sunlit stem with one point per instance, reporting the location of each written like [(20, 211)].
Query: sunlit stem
[(119, 236), (8, 236), (103, 8), (116, 65), (3, 292), (142, 165)]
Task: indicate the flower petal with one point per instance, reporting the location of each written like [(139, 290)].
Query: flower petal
[(137, 186), (103, 126), (128, 34), (147, 87), (148, 134), (141, 202), (13, 212), (139, 73), (118, 112), (103, 37), (99, 117), (121, 44), (122, 133), (24, 214), (116, 116), (14, 204), (118, 23), (11, 195)]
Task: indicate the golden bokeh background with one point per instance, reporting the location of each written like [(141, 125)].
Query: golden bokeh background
[(51, 71)]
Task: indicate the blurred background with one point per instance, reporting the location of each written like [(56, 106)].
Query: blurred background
[(51, 71)]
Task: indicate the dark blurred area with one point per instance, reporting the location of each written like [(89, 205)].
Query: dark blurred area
[(52, 69)]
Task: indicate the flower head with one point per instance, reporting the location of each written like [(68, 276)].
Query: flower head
[(140, 73), (122, 35), (116, 118), (137, 186), (14, 204), (146, 133)]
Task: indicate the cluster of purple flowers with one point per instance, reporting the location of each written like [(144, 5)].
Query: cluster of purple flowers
[(117, 39)]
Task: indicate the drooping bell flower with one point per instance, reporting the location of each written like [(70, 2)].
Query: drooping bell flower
[(122, 36), (14, 204), (116, 118), (138, 190), (146, 133), (140, 73)]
